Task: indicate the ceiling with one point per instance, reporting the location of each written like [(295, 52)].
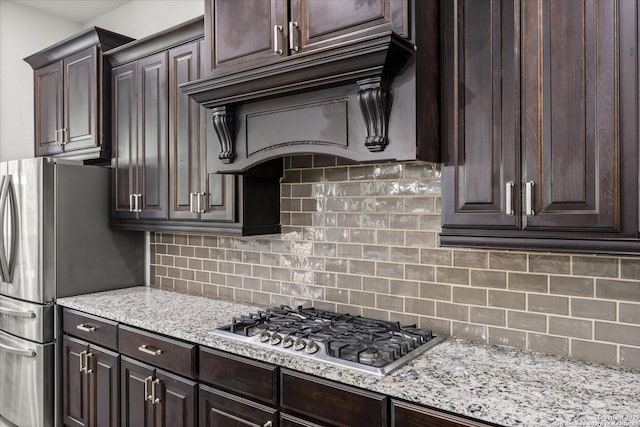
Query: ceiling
[(78, 11)]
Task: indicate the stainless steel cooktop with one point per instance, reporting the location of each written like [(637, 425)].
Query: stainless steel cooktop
[(367, 345)]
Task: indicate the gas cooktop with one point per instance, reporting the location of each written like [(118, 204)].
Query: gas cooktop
[(368, 345)]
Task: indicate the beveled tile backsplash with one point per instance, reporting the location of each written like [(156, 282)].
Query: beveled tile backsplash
[(364, 239)]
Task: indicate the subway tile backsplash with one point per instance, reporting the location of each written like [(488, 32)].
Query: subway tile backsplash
[(364, 239)]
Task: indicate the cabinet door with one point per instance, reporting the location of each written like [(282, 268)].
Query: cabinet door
[(184, 133), (48, 109), (573, 87), (75, 387), (136, 410), (480, 122), (220, 409), (81, 100), (178, 400), (321, 22), (124, 179), (220, 189), (152, 135), (240, 34), (104, 386)]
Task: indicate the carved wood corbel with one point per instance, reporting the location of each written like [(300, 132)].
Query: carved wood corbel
[(374, 105), (223, 124)]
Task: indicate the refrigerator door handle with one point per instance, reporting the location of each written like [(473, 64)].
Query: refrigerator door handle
[(8, 197), (21, 351), (18, 313)]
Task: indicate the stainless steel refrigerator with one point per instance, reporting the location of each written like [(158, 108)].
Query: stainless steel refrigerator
[(55, 241)]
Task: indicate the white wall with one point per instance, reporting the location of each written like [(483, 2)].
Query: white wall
[(140, 18), (23, 31)]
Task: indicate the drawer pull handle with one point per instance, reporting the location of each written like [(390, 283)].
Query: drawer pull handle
[(267, 424), (143, 348), (86, 328), (18, 313)]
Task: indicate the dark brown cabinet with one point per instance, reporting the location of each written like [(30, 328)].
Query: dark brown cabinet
[(90, 384), (153, 397), (195, 191), (409, 415), (140, 138), (262, 32), (326, 402), (540, 122), (71, 102), (221, 409)]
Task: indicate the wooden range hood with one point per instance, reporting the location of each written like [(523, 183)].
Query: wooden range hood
[(354, 99)]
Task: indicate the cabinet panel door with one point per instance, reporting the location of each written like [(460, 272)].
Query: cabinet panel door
[(220, 189), (136, 410), (480, 122), (321, 22), (75, 391), (571, 116), (104, 383), (240, 34), (178, 400), (48, 108), (125, 136), (152, 135), (184, 133), (220, 409), (81, 100), (408, 415)]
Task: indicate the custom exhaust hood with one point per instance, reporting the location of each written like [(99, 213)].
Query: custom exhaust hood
[(355, 99)]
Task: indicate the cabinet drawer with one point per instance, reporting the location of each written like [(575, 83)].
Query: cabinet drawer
[(90, 328), (172, 355), (330, 402), (408, 415), (218, 408), (240, 375)]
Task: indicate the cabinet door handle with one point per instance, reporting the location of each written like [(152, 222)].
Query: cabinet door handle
[(276, 29), (57, 138), (64, 132), (83, 360), (293, 47), (154, 396), (147, 381), (267, 424), (130, 202), (508, 198), (87, 360), (145, 349), (86, 328), (191, 201), (137, 203), (202, 201), (528, 198)]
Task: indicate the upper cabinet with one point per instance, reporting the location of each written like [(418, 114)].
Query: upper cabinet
[(164, 148), (261, 32), (70, 107), (286, 77), (541, 125)]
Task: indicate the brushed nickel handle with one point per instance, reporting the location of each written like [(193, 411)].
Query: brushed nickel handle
[(154, 397), (18, 313), (83, 360), (528, 198), (64, 132), (87, 360), (292, 46), (58, 137), (137, 203), (267, 424), (22, 352), (202, 201), (147, 381), (86, 328), (508, 198), (130, 202), (276, 30), (145, 349)]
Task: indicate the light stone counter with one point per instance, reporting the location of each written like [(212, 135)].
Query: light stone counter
[(500, 385)]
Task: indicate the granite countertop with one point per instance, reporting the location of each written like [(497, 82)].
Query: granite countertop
[(496, 384)]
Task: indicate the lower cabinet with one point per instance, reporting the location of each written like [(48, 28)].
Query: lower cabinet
[(410, 415), (153, 397), (118, 375), (90, 384)]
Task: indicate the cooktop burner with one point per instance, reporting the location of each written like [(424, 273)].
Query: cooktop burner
[(369, 345)]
